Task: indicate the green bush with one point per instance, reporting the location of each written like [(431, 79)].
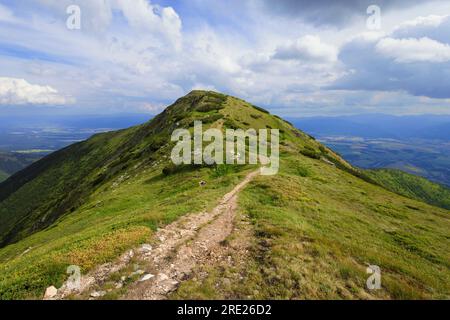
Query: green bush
[(303, 172), (323, 149), (209, 107), (261, 109), (310, 153), (220, 170), (228, 123), (211, 118), (170, 169)]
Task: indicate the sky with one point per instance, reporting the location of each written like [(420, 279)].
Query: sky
[(293, 57)]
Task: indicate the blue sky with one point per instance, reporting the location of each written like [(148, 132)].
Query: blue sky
[(294, 57)]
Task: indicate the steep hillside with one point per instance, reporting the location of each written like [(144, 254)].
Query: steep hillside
[(412, 186), (3, 176), (312, 229), (10, 163)]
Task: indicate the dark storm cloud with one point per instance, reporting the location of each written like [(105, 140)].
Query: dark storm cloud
[(333, 13)]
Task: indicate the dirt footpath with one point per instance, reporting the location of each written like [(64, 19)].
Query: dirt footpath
[(189, 242)]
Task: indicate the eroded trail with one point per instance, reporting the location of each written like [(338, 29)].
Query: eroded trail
[(191, 241)]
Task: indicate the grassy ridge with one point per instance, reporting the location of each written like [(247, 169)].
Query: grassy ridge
[(316, 223), (412, 186)]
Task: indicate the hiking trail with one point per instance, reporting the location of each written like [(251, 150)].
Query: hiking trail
[(191, 241)]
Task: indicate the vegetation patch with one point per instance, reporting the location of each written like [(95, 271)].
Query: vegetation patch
[(260, 109), (309, 152)]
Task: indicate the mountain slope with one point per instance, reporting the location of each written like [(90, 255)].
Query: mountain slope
[(10, 163), (412, 186), (35, 197), (314, 226), (3, 176), (317, 229)]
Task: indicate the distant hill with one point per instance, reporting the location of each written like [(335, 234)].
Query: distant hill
[(412, 186), (310, 232)]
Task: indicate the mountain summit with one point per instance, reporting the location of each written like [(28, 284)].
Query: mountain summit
[(310, 231)]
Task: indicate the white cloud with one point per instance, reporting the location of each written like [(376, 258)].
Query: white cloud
[(6, 15), (153, 108), (141, 14), (435, 27), (307, 48), (19, 92), (202, 86), (148, 19), (414, 50), (427, 21)]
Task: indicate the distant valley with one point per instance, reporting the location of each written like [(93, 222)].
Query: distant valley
[(416, 144), (25, 139)]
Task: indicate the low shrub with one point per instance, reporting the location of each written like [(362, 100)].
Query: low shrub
[(211, 118), (207, 107), (260, 109), (310, 153), (303, 172)]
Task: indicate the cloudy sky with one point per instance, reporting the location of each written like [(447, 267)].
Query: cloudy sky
[(294, 57)]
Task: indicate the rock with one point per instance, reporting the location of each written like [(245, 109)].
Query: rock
[(163, 277), (50, 292), (119, 285), (138, 272), (146, 277), (98, 294), (26, 251), (146, 248), (202, 183)]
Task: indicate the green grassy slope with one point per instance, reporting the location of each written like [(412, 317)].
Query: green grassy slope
[(58, 184), (316, 223), (3, 176), (10, 163), (318, 228), (412, 186)]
